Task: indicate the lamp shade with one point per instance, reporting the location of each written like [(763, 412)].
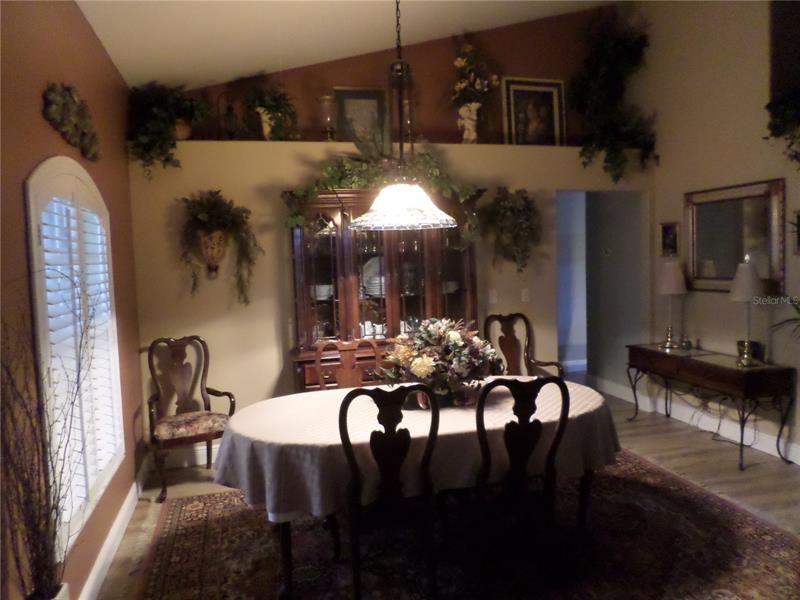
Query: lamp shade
[(671, 281), (746, 283), (402, 206)]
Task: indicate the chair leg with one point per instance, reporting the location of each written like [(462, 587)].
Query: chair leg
[(208, 454), (331, 524), (583, 499), (160, 456), (355, 555), (429, 539)]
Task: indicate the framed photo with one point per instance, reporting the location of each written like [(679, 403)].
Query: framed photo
[(670, 236), (362, 116), (795, 222), (533, 111)]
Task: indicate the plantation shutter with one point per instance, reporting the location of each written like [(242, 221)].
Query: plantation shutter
[(76, 331)]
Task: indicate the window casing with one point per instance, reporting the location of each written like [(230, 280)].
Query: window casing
[(76, 334)]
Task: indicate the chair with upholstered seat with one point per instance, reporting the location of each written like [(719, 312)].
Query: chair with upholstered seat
[(177, 377), (389, 448), (517, 354)]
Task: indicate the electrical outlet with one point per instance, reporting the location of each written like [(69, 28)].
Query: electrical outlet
[(492, 296), (524, 295)]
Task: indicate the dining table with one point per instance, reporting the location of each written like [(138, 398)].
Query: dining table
[(285, 453)]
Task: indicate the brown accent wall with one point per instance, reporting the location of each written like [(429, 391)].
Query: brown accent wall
[(52, 41), (551, 48)]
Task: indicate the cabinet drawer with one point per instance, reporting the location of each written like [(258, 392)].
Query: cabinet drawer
[(711, 377)]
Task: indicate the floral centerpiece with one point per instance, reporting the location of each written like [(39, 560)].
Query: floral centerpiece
[(474, 83), (443, 354)]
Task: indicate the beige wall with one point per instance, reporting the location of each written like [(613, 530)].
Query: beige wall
[(250, 345), (707, 77)]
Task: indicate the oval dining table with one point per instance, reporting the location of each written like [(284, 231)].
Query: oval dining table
[(285, 453)]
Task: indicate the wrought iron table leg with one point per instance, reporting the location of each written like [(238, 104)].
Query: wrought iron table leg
[(634, 380), (784, 418), (667, 398), (285, 534), (744, 411)]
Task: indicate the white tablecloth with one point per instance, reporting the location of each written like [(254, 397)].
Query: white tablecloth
[(285, 453)]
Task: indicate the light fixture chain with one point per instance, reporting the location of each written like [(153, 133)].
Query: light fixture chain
[(397, 29)]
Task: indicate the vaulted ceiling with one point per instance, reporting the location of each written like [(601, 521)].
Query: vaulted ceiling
[(200, 43)]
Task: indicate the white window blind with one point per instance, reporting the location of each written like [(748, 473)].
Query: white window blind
[(76, 331)]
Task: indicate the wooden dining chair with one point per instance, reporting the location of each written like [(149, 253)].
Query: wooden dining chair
[(516, 353), (389, 449), (506, 517), (194, 421), (358, 363)]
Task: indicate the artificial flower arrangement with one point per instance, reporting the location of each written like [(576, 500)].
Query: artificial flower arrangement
[(474, 82), (444, 354)]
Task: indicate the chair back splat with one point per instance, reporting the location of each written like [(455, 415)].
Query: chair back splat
[(517, 354), (523, 435)]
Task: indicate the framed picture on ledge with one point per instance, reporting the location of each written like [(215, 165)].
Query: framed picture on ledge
[(533, 111), (362, 116), (670, 236)]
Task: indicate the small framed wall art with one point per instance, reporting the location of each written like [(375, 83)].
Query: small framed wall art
[(533, 111), (795, 222), (363, 117), (670, 239)]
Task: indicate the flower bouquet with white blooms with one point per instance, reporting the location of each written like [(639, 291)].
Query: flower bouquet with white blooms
[(443, 354)]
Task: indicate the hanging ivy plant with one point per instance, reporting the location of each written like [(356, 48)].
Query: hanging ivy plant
[(210, 212), (615, 52), (784, 123), (153, 110), (68, 114), (514, 221), (367, 172)]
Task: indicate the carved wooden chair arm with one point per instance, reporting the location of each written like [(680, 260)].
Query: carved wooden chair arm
[(230, 396), (537, 364)]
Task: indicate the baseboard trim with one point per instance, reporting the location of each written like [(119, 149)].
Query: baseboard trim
[(571, 366), (697, 417), (91, 589)]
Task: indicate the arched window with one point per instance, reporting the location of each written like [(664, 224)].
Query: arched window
[(76, 334)]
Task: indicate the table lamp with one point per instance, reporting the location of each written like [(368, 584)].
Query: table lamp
[(671, 283), (746, 284)]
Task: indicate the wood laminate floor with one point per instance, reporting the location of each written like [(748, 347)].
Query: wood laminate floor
[(768, 487)]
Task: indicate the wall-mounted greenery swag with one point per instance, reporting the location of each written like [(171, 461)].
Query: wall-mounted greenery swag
[(615, 51), (211, 219), (153, 110), (784, 122), (513, 219), (68, 114)]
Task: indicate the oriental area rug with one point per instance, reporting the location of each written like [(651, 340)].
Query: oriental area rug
[(651, 535)]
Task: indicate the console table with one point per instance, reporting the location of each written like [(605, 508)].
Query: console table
[(747, 386)]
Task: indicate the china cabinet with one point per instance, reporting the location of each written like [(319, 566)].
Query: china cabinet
[(352, 285)]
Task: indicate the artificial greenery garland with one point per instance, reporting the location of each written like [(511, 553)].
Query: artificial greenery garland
[(365, 172), (210, 211), (514, 221), (784, 122), (69, 115), (153, 110), (614, 53)]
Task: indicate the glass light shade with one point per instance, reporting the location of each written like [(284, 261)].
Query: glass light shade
[(746, 283), (403, 206), (671, 280)]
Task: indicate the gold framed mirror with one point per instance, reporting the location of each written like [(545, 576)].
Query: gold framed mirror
[(726, 223)]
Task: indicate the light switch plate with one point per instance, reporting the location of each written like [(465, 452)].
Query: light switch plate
[(524, 295), (492, 296)]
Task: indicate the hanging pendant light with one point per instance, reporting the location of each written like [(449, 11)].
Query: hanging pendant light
[(402, 204)]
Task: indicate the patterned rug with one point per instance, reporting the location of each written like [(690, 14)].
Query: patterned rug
[(652, 535)]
